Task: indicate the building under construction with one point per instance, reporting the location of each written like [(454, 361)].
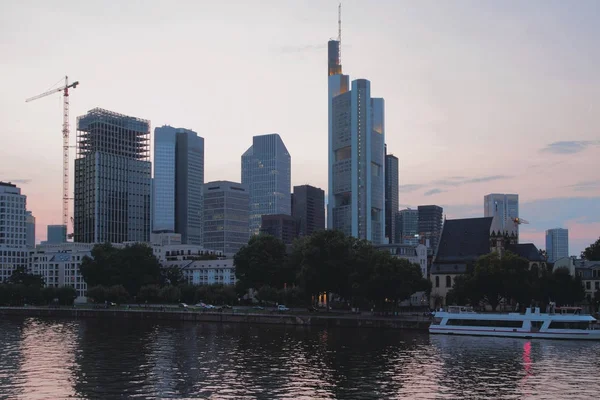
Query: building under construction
[(112, 178)]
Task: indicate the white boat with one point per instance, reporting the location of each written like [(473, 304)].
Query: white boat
[(564, 323)]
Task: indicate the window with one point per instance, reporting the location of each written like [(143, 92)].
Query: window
[(437, 281), (569, 325), (588, 285), (488, 323), (596, 285), (448, 281)]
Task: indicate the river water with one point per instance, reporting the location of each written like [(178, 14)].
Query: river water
[(94, 359)]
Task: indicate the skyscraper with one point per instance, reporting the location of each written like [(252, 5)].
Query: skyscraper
[(56, 234), (430, 225), (13, 230), (225, 216), (282, 226), (557, 244), (30, 221), (391, 196), (267, 172), (112, 178), (505, 207), (356, 154), (308, 208), (407, 226), (178, 180)]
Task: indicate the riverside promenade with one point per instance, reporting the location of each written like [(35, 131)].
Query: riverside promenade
[(291, 318)]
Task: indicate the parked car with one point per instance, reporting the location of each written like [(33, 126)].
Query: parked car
[(183, 305), (281, 307), (227, 307), (258, 308)]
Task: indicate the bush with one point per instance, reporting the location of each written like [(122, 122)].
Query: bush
[(99, 294), (66, 295), (117, 294), (149, 294), (170, 294)]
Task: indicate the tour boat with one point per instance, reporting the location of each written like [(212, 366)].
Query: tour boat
[(562, 323)]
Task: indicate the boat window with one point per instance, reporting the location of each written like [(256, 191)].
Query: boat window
[(569, 325), (537, 324), (436, 321), (484, 322)]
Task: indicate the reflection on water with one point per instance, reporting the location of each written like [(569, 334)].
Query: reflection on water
[(41, 359)]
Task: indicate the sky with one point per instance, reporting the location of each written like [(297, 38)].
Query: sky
[(481, 96)]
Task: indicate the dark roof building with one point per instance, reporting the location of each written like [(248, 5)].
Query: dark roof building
[(527, 251)]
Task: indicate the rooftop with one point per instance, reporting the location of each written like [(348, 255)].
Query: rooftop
[(464, 240), (527, 251)]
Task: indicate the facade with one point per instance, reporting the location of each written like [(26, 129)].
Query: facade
[(462, 242), (56, 234), (210, 272), (226, 216), (178, 182), (308, 209), (557, 244), (267, 172), (430, 225), (407, 226), (282, 226), (415, 254), (59, 265), (391, 196), (180, 255), (13, 229), (30, 221), (506, 208), (112, 178)]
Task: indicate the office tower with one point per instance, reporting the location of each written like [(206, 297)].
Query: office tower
[(431, 219), (56, 234), (308, 209), (505, 207), (282, 226), (407, 226), (557, 244), (13, 230), (267, 172), (30, 221), (391, 196), (112, 178), (226, 216), (177, 185), (356, 154)]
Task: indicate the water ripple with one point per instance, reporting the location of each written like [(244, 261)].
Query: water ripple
[(91, 359)]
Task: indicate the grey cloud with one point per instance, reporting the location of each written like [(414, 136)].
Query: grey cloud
[(457, 181), (585, 186), (300, 49), (433, 191), (569, 147), (21, 181), (410, 187)]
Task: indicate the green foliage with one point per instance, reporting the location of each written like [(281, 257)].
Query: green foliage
[(510, 278), (188, 293), (267, 294), (117, 294), (97, 293), (131, 267), (172, 276), (262, 262), (149, 294), (216, 294), (66, 295), (592, 252), (170, 294), (21, 277)]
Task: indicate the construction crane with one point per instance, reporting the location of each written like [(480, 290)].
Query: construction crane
[(519, 221), (65, 133)]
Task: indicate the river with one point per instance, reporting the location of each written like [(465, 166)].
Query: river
[(104, 359)]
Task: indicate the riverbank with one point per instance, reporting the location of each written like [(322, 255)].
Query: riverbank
[(229, 317)]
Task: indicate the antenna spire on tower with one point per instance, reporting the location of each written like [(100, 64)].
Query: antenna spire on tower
[(340, 31)]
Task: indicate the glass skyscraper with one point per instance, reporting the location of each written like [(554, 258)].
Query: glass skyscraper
[(505, 207), (356, 154), (267, 172), (391, 196), (225, 216), (557, 244), (407, 226), (112, 178), (178, 181)]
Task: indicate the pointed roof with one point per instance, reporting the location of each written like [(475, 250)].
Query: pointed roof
[(464, 240)]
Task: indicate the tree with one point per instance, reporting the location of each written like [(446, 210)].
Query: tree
[(66, 295), (267, 294), (592, 252), (172, 276), (132, 267), (97, 293), (564, 289), (170, 294), (49, 294), (21, 277), (117, 294), (262, 262), (149, 294)]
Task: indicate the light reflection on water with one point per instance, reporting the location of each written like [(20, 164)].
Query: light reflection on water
[(51, 359)]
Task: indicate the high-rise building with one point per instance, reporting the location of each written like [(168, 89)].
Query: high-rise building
[(282, 226), (430, 226), (356, 154), (30, 221), (13, 230), (56, 234), (177, 184), (225, 216), (308, 209), (267, 172), (407, 226), (112, 178), (391, 196), (557, 244), (505, 207)]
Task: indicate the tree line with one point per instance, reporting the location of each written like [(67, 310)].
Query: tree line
[(510, 280), (326, 262), (24, 288)]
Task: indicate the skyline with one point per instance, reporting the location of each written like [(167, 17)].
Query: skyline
[(518, 80)]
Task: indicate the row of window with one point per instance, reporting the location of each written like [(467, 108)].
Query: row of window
[(448, 281)]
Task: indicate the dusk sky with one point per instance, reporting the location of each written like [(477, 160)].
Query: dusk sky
[(481, 96)]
